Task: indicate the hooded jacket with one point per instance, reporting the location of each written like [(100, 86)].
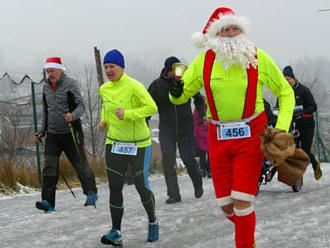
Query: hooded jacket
[(305, 98), (66, 98), (176, 120)]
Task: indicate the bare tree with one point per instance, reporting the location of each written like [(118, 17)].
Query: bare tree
[(94, 139)]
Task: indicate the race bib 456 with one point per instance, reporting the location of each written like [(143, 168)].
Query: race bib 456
[(237, 130)]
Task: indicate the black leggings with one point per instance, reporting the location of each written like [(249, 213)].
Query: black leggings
[(116, 169), (55, 144), (204, 161)]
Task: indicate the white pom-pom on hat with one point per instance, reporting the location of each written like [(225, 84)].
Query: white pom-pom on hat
[(199, 40), (222, 17)]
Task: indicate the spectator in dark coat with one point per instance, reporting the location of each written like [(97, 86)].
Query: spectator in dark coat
[(303, 117), (176, 127)]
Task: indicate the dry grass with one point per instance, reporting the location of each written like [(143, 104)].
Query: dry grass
[(11, 174), (155, 167), (27, 176), (7, 175)]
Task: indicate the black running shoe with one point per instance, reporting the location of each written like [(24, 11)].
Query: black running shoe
[(172, 200), (199, 192)]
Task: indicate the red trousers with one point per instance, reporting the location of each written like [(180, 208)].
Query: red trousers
[(236, 163)]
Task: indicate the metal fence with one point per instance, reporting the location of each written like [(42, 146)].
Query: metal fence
[(17, 123)]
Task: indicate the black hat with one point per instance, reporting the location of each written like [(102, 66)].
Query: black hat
[(168, 64), (288, 71)]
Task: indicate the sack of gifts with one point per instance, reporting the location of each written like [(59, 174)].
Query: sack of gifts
[(280, 149)]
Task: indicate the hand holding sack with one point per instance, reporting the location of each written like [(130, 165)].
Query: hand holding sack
[(279, 148), (277, 145)]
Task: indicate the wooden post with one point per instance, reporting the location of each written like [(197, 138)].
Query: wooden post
[(98, 63)]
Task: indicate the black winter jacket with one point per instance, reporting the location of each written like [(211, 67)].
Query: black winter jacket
[(304, 97), (174, 119)]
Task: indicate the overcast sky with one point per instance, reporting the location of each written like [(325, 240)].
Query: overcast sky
[(151, 30)]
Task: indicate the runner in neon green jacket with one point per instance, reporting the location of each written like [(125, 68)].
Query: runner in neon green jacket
[(129, 94), (229, 88), (125, 105)]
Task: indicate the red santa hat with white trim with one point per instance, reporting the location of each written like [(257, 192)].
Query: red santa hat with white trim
[(221, 18), (55, 63)]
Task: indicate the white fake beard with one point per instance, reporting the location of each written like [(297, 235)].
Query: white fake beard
[(237, 50)]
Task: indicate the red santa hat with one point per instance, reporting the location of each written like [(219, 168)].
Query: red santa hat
[(54, 62), (221, 18)]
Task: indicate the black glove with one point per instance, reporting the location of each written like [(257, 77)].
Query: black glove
[(176, 88), (297, 116)]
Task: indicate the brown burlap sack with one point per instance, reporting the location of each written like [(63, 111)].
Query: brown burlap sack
[(277, 145), (293, 168)]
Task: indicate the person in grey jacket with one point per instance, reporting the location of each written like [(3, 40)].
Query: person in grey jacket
[(62, 109)]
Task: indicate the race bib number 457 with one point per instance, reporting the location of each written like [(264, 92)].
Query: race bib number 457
[(237, 130), (124, 148)]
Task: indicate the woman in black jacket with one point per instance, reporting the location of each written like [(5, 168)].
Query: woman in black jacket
[(303, 117)]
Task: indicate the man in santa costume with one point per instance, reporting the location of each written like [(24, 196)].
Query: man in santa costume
[(233, 72)]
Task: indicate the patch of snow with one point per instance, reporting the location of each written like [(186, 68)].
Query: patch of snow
[(284, 219)]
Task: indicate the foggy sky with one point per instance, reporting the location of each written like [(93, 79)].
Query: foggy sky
[(151, 30)]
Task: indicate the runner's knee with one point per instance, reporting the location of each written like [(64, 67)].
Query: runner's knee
[(228, 209), (244, 211), (239, 204)]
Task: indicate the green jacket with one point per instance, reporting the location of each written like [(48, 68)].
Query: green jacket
[(130, 95), (229, 88)]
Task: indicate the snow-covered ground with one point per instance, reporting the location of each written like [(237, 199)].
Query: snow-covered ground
[(284, 219)]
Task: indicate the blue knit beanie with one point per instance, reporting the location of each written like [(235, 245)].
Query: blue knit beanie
[(114, 57), (288, 71)]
